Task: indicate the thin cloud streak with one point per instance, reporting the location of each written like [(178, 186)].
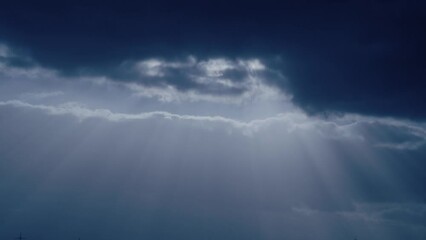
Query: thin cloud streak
[(82, 113), (347, 127)]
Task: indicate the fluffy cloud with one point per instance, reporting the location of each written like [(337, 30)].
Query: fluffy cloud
[(217, 80), (214, 79)]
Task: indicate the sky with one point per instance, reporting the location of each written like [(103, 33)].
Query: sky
[(213, 120)]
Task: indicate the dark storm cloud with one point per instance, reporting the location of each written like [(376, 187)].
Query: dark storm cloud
[(350, 56)]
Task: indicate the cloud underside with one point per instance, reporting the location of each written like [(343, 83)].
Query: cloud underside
[(240, 82), (333, 177), (202, 143), (352, 127), (243, 83)]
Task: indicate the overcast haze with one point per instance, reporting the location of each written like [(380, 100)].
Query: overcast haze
[(213, 120)]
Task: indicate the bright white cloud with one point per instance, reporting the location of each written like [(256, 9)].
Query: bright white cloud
[(151, 67), (155, 67), (252, 64), (216, 67)]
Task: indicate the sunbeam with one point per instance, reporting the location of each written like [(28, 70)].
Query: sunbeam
[(212, 120)]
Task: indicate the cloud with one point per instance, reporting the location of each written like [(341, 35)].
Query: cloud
[(333, 60), (41, 95), (215, 118), (16, 65), (157, 68), (255, 90), (216, 67), (10, 57), (216, 80), (379, 220), (404, 145), (211, 81), (398, 213), (351, 127), (4, 51), (82, 113), (211, 77)]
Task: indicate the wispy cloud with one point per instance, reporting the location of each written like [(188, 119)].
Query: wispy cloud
[(398, 213), (82, 113), (336, 128), (41, 95)]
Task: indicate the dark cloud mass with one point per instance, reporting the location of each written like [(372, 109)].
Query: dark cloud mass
[(345, 56)]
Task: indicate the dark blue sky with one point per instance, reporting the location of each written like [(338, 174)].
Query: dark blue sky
[(213, 120)]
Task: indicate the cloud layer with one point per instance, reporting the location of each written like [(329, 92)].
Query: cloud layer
[(353, 56), (196, 146)]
